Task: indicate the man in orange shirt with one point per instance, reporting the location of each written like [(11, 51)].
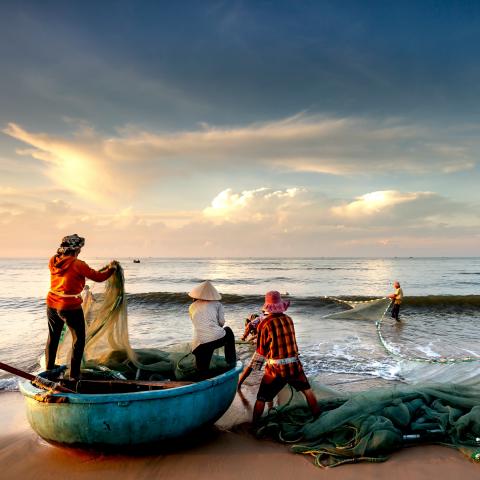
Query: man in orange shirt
[(64, 300)]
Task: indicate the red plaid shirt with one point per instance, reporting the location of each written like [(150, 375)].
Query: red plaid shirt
[(276, 340)]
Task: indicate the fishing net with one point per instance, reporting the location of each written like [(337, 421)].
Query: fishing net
[(462, 370), (367, 310), (362, 426), (370, 425), (108, 353)]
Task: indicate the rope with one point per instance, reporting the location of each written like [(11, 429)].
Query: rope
[(350, 303)]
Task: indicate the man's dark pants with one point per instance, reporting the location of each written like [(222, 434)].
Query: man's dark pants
[(76, 323), (396, 311)]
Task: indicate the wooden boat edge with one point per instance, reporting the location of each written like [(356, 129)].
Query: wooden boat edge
[(30, 391)]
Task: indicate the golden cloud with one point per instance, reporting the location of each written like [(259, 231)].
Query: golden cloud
[(102, 167)]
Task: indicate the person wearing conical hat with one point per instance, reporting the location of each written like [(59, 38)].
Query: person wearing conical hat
[(64, 299), (209, 332), (277, 349)]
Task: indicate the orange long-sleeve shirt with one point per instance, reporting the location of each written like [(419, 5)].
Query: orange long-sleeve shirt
[(67, 277)]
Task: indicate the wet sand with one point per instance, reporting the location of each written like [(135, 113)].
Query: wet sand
[(226, 451)]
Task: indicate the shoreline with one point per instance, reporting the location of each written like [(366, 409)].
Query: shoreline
[(227, 450)]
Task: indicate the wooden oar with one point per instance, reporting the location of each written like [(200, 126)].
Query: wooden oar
[(93, 385), (38, 381), (145, 383), (121, 386)]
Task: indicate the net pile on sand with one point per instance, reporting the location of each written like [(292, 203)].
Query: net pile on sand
[(108, 352), (369, 426), (442, 405)]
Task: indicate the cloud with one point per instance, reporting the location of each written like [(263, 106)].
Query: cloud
[(374, 202), (256, 222), (300, 209), (98, 166), (297, 222), (391, 208), (76, 164), (256, 206)]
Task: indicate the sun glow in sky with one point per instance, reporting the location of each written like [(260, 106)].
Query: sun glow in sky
[(240, 128)]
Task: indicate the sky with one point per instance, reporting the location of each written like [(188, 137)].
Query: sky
[(240, 128)]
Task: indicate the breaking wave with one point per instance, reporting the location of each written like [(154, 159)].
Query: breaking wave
[(428, 301)]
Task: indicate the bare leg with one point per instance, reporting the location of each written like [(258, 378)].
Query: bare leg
[(258, 410), (312, 402), (243, 377)]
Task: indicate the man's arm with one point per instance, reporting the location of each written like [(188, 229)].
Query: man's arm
[(246, 333), (91, 274), (258, 358)]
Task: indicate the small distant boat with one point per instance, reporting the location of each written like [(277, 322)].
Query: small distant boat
[(136, 260), (129, 418)]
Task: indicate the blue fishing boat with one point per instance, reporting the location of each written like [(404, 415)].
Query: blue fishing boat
[(127, 419)]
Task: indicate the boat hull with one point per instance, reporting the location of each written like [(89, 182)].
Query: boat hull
[(124, 419)]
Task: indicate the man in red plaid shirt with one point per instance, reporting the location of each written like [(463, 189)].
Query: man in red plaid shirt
[(277, 347)]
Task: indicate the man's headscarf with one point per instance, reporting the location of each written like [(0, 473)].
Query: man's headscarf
[(70, 244)]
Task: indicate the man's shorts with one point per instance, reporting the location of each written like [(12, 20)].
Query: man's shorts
[(271, 385)]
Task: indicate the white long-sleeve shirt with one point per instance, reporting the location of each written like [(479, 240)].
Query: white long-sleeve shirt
[(208, 320)]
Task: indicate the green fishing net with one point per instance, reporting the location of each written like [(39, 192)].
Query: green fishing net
[(411, 369), (108, 352), (367, 310), (440, 405), (370, 425)]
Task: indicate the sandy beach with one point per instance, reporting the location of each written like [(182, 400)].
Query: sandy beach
[(226, 451)]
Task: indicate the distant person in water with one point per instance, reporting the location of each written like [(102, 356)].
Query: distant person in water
[(209, 332), (397, 298), (277, 347), (64, 300)]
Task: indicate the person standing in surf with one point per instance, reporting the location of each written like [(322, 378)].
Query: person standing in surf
[(277, 347), (64, 299), (397, 298)]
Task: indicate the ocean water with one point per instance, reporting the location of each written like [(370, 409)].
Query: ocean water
[(440, 316)]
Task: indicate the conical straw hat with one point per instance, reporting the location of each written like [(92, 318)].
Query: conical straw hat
[(205, 291)]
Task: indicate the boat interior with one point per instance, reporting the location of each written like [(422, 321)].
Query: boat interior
[(118, 386)]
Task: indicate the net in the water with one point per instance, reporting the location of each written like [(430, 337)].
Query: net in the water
[(368, 310), (370, 425), (411, 369), (108, 352)]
